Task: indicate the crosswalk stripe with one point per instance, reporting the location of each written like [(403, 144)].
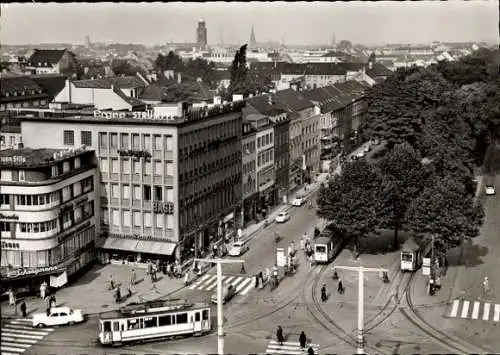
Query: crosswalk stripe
[(8, 353), (21, 321), (486, 311), (229, 279), (7, 348), (16, 344), (212, 284), (291, 348), (496, 314), (465, 309), (27, 341), (198, 282), (454, 308), (16, 326), (210, 280), (21, 331), (5, 332), (289, 352), (249, 287), (475, 310), (245, 282), (237, 281)]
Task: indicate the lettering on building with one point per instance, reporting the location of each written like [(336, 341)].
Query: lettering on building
[(16, 159), (34, 271), (137, 115), (137, 154), (3, 216), (163, 207), (8, 245)]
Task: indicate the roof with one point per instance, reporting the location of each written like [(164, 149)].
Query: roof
[(10, 84), (130, 100), (46, 57), (33, 158), (154, 92), (105, 83), (261, 104), (293, 100), (52, 84)]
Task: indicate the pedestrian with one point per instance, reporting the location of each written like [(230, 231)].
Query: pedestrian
[(310, 351), (23, 309), (150, 268), (43, 289), (169, 270), (340, 288), (12, 297), (261, 276), (118, 295), (47, 304), (279, 335), (53, 301), (133, 278), (111, 282), (302, 340), (256, 280), (311, 261), (242, 270)]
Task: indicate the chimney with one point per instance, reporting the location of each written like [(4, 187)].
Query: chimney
[(179, 79), (370, 64), (68, 85)]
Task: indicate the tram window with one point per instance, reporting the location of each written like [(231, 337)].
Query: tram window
[(116, 326), (205, 314), (150, 322), (164, 320), (406, 257), (107, 326), (320, 249), (133, 324), (182, 318), (197, 317)]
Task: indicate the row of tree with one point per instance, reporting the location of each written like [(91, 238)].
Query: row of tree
[(437, 123)]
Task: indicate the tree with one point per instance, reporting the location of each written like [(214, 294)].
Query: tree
[(200, 68), (239, 73), (349, 201), (402, 178), (169, 62), (123, 67), (445, 210)]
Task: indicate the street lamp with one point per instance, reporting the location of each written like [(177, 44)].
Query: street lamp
[(361, 283), (220, 319)]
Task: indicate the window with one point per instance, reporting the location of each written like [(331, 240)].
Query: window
[(103, 140), (164, 320), (66, 166), (113, 140), (67, 219), (137, 192), (147, 142), (157, 142), (104, 189), (197, 317), (69, 138), (169, 143), (104, 165), (159, 220), (181, 318), (4, 199), (150, 322), (126, 166), (137, 219), (87, 184), (86, 138), (66, 193), (170, 221), (77, 189), (116, 218), (78, 214), (157, 167), (124, 141), (126, 218), (147, 219), (126, 191), (137, 167), (135, 142), (104, 216), (77, 163), (147, 167), (147, 193), (205, 315), (169, 168), (170, 195), (114, 166), (158, 193), (115, 191)]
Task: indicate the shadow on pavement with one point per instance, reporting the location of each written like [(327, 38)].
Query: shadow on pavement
[(88, 277), (473, 255)]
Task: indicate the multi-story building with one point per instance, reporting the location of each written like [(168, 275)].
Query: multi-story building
[(52, 61), (47, 214), (10, 136), (163, 180), (249, 173), (18, 91)]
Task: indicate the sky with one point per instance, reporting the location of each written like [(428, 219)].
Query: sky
[(297, 23)]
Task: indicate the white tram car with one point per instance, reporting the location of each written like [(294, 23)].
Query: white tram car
[(326, 248), (153, 321)]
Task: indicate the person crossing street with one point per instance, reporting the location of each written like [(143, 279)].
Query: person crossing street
[(302, 340), (279, 335)]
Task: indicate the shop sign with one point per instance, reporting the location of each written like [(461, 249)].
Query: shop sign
[(3, 216), (34, 271), (137, 115), (9, 245), (163, 207), (16, 159)]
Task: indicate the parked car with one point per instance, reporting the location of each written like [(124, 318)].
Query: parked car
[(360, 154), (228, 292), (238, 248), (58, 316), (298, 201), (282, 217), (489, 190), (367, 148)]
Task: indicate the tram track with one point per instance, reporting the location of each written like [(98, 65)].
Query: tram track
[(447, 341)]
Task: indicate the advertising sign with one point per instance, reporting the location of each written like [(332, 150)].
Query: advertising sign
[(280, 257)]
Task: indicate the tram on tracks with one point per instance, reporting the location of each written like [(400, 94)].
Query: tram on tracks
[(327, 246), (411, 256), (154, 320)]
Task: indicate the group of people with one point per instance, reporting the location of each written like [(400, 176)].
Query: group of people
[(302, 340)]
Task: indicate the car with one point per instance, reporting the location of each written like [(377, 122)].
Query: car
[(367, 148), (238, 248), (360, 154), (489, 190), (282, 217), (58, 316), (228, 292), (298, 201)]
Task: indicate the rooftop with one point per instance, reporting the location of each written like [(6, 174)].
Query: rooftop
[(293, 100), (106, 83), (34, 158), (45, 57)]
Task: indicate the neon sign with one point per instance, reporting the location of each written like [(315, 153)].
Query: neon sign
[(138, 115)]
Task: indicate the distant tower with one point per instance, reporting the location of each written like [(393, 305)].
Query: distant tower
[(334, 42), (252, 42), (201, 35), (87, 42)]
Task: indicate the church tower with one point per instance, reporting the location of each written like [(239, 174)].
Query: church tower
[(252, 42), (201, 35)]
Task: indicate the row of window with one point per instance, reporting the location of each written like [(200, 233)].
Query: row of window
[(85, 137), (34, 103), (265, 157), (310, 128), (210, 133), (124, 166), (248, 167), (146, 193), (136, 219), (157, 321), (218, 165), (135, 141), (265, 140), (66, 166), (38, 227)]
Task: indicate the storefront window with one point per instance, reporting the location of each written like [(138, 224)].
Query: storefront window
[(42, 257)]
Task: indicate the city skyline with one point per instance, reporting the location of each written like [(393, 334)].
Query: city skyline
[(153, 24)]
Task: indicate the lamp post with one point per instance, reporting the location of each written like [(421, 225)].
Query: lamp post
[(361, 283), (220, 319)]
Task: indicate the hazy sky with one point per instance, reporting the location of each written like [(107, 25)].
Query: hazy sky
[(299, 23)]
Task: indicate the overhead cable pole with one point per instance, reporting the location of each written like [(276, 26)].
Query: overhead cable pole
[(220, 319), (361, 283)]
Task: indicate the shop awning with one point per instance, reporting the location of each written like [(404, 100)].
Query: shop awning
[(160, 248), (120, 244)]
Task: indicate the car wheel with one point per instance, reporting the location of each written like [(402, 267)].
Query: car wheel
[(71, 323), (41, 325)]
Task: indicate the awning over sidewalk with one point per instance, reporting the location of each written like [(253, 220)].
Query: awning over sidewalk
[(120, 244), (161, 248)]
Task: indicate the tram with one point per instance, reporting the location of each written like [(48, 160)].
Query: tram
[(411, 256), (153, 321), (326, 248)]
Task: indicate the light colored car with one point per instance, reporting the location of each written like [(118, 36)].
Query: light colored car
[(367, 148), (282, 217), (58, 316), (238, 248), (228, 292), (489, 190), (298, 201), (360, 154)]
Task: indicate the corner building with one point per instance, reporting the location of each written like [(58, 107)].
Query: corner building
[(168, 187), (47, 215)]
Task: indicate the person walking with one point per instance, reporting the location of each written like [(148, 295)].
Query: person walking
[(133, 278), (47, 304), (111, 282), (279, 335), (12, 297), (340, 287), (23, 309), (302, 340), (53, 301), (43, 289), (310, 351)]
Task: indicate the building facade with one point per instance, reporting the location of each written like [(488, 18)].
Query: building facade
[(162, 179), (18, 91), (52, 61), (249, 173), (48, 220)]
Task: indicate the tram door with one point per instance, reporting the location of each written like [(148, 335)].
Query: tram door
[(117, 334), (197, 321)]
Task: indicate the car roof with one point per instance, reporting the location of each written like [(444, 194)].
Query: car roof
[(284, 212), (60, 309), (238, 243)]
